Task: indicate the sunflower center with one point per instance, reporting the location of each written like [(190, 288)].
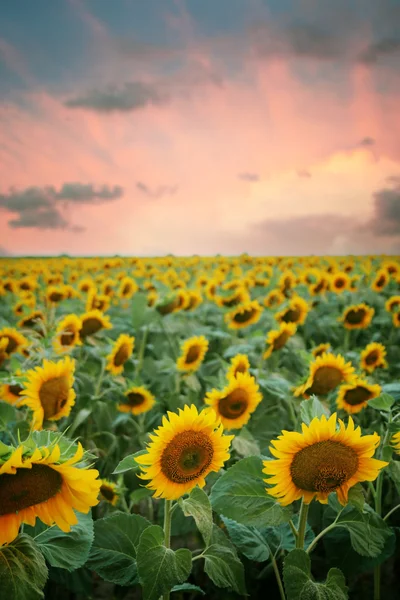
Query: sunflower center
[(357, 395), (291, 315), (281, 340), (11, 345), (240, 368), (68, 336), (15, 389), (372, 358), (122, 355), (53, 395), (193, 354), (244, 316), (355, 316), (339, 283), (234, 404), (134, 399), (56, 296), (380, 281), (187, 456), (107, 492), (27, 488), (90, 326), (325, 380), (324, 466)]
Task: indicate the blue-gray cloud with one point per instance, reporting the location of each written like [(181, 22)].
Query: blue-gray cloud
[(247, 176), (159, 192), (128, 97)]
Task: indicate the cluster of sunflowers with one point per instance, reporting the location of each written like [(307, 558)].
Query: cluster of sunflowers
[(169, 369)]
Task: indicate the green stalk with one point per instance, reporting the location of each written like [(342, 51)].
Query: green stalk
[(141, 352), (301, 532), (378, 509), (100, 379), (278, 578), (167, 532)]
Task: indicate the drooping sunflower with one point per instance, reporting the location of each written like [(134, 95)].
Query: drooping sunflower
[(48, 391), (33, 320), (321, 460), (235, 404), (296, 312), (277, 338), (67, 333), (43, 483), (239, 364), (193, 351), (16, 341), (373, 357), (137, 400), (395, 441), (244, 315), (109, 491), (380, 281), (183, 451), (172, 303), (392, 304), (357, 316), (120, 353), (354, 397), (321, 349), (327, 372), (92, 322)]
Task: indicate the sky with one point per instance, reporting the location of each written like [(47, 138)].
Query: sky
[(138, 127)]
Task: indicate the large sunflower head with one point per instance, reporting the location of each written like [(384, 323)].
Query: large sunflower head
[(235, 404), (373, 357), (239, 364), (327, 372), (354, 397), (321, 460), (43, 482), (296, 312), (48, 391), (321, 349), (277, 338), (357, 316), (67, 333), (192, 355), (109, 491), (15, 340), (92, 322), (137, 400), (244, 315), (120, 353), (183, 451)]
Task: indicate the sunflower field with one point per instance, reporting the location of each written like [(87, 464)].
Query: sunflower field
[(220, 427)]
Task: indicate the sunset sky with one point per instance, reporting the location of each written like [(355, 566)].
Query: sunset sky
[(147, 127)]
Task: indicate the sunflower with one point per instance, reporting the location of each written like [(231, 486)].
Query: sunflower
[(97, 301), (357, 316), (244, 315), (42, 483), (321, 349), (33, 320), (339, 282), (321, 460), (137, 400), (48, 391), (393, 304), (120, 353), (277, 338), (195, 299), (128, 287), (373, 357), (319, 287), (16, 341), (326, 373), (380, 281), (92, 322), (55, 294), (10, 392), (152, 298), (172, 303), (193, 351), (239, 296), (67, 333), (396, 319), (236, 402), (273, 298), (355, 396), (296, 312), (183, 451), (239, 364), (109, 491), (395, 441)]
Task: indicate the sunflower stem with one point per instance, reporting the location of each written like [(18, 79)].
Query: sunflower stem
[(302, 525), (294, 530), (167, 531), (141, 352), (278, 578), (378, 509), (321, 534), (100, 379)]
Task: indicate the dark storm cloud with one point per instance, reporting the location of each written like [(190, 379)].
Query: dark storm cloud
[(40, 207), (128, 97), (367, 141), (246, 176), (159, 192), (383, 48), (386, 221)]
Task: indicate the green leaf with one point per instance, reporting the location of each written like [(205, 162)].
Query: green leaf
[(222, 564), (7, 414), (312, 408), (240, 494), (65, 550), (394, 473), (116, 540), (383, 402), (245, 444), (393, 389), (357, 497), (368, 531), (250, 541), (300, 586), (139, 308), (23, 571), (188, 587), (198, 506), (160, 568), (80, 418), (137, 495), (128, 463)]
